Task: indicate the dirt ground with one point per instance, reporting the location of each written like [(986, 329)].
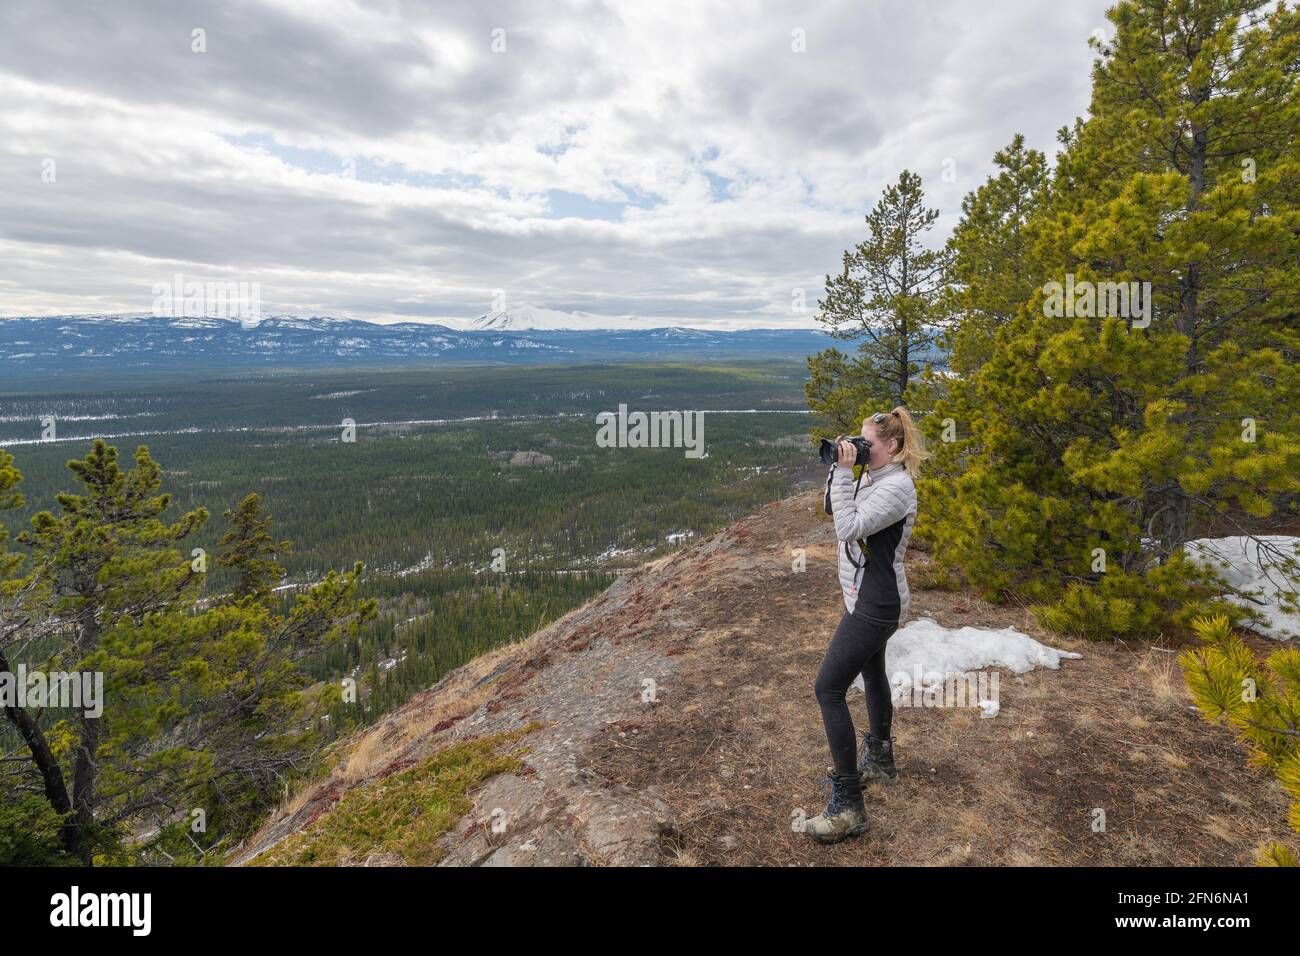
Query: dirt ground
[(735, 744), (716, 764)]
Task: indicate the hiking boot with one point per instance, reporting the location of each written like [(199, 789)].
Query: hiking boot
[(876, 761), (844, 815)]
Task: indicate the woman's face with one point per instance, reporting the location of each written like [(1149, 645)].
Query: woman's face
[(882, 451)]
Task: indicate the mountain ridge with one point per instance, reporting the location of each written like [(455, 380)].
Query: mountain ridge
[(671, 720), (148, 341)]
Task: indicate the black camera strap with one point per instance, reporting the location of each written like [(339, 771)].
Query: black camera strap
[(862, 545)]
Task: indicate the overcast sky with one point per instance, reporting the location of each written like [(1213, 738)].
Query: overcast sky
[(381, 160)]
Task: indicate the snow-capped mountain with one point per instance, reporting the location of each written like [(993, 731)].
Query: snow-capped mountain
[(144, 342), (530, 318), (169, 341)]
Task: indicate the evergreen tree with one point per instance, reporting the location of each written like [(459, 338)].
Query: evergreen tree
[(840, 392), (212, 711), (249, 550), (993, 278), (32, 826), (1097, 445), (105, 558), (207, 710), (1188, 175), (887, 296), (993, 272), (10, 498)]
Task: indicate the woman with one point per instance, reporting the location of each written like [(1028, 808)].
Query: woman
[(873, 520)]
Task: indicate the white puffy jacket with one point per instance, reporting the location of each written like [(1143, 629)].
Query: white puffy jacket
[(873, 520)]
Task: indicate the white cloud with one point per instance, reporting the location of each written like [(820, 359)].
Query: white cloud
[(676, 160)]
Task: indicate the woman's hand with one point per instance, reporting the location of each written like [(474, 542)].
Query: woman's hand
[(848, 454)]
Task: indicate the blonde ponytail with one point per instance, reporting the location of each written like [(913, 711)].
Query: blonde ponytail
[(898, 425)]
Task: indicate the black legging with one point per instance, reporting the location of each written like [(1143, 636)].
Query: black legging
[(858, 647)]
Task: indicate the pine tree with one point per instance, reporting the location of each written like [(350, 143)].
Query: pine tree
[(34, 830), (10, 498), (206, 708), (993, 273), (993, 278), (1260, 701), (1189, 177), (213, 710), (250, 551), (887, 296), (839, 392), (106, 557), (1097, 445)]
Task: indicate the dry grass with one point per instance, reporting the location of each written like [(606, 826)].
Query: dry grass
[(370, 754), (295, 802)]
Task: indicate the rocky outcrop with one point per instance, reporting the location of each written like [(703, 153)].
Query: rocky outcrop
[(606, 663), (520, 821)]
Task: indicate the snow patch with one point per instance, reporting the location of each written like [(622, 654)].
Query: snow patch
[(1263, 573), (925, 652)]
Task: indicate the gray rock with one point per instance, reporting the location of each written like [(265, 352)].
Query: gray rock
[(505, 811), (622, 827), (546, 846), (511, 803)]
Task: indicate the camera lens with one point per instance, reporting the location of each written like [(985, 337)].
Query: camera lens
[(827, 452)]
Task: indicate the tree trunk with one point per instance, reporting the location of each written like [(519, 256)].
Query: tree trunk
[(83, 783), (56, 791), (1174, 533), (84, 770)]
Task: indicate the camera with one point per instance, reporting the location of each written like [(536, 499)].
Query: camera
[(829, 451)]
